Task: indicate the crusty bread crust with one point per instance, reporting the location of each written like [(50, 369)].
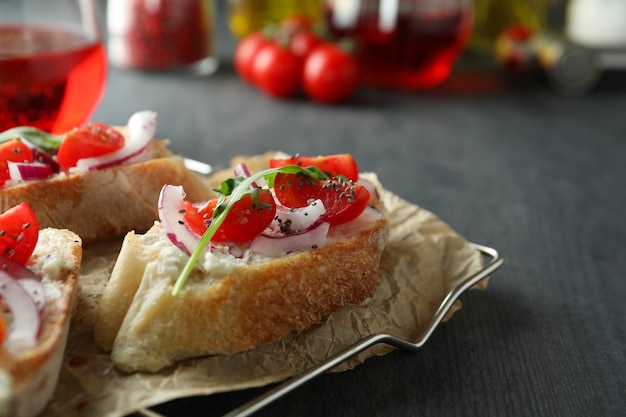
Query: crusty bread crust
[(147, 328), (108, 202), (33, 373)]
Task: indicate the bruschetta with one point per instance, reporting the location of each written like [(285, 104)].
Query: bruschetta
[(97, 180), (274, 253), (38, 278)]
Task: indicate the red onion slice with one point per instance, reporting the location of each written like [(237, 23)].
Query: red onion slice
[(27, 171), (172, 218), (294, 220), (24, 328), (371, 187), (34, 289), (276, 246), (41, 156), (241, 170), (27, 279), (141, 129)]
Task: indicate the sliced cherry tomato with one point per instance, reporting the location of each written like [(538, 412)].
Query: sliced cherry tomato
[(343, 199), (245, 220), (19, 231), (245, 52), (333, 165), (277, 71), (86, 141), (12, 150), (330, 74)]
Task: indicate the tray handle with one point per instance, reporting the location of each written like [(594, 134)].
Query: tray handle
[(494, 261)]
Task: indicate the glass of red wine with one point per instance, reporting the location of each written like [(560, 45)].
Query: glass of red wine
[(52, 63)]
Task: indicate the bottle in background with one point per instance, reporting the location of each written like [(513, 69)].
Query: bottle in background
[(245, 16), (597, 23), (493, 17), (162, 35)]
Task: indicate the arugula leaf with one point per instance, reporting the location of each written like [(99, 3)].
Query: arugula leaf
[(45, 141), (235, 189)]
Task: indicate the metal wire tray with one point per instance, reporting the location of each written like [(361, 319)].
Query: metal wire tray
[(493, 261)]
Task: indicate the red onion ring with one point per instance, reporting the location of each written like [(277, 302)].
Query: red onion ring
[(173, 220), (371, 187), (141, 129), (299, 219), (241, 170), (24, 329), (27, 279), (27, 171), (276, 246), (41, 156)]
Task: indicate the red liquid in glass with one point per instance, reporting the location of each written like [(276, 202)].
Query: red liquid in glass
[(49, 79), (417, 52)]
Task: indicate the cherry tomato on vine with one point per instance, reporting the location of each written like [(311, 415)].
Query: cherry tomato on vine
[(276, 71), (303, 43), (245, 52), (330, 74), (245, 220), (333, 165), (86, 141), (343, 200)]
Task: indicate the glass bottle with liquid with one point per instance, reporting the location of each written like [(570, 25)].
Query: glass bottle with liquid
[(403, 44), (493, 17), (160, 35), (245, 16)]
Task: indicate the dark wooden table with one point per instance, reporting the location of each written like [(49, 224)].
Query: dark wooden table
[(507, 163)]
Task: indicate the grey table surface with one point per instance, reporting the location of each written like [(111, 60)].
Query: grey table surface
[(506, 163)]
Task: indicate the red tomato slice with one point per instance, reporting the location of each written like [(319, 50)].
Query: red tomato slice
[(12, 150), (86, 141), (333, 165), (245, 220), (19, 231), (343, 199)]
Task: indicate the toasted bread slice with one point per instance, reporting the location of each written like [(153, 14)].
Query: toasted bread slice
[(28, 377), (230, 304), (107, 202)]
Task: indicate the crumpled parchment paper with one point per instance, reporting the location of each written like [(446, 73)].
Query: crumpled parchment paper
[(423, 260)]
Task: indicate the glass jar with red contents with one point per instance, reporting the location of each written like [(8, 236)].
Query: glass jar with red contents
[(406, 44), (162, 34)]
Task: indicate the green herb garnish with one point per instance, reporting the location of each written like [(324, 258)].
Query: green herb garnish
[(235, 189), (45, 141)]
